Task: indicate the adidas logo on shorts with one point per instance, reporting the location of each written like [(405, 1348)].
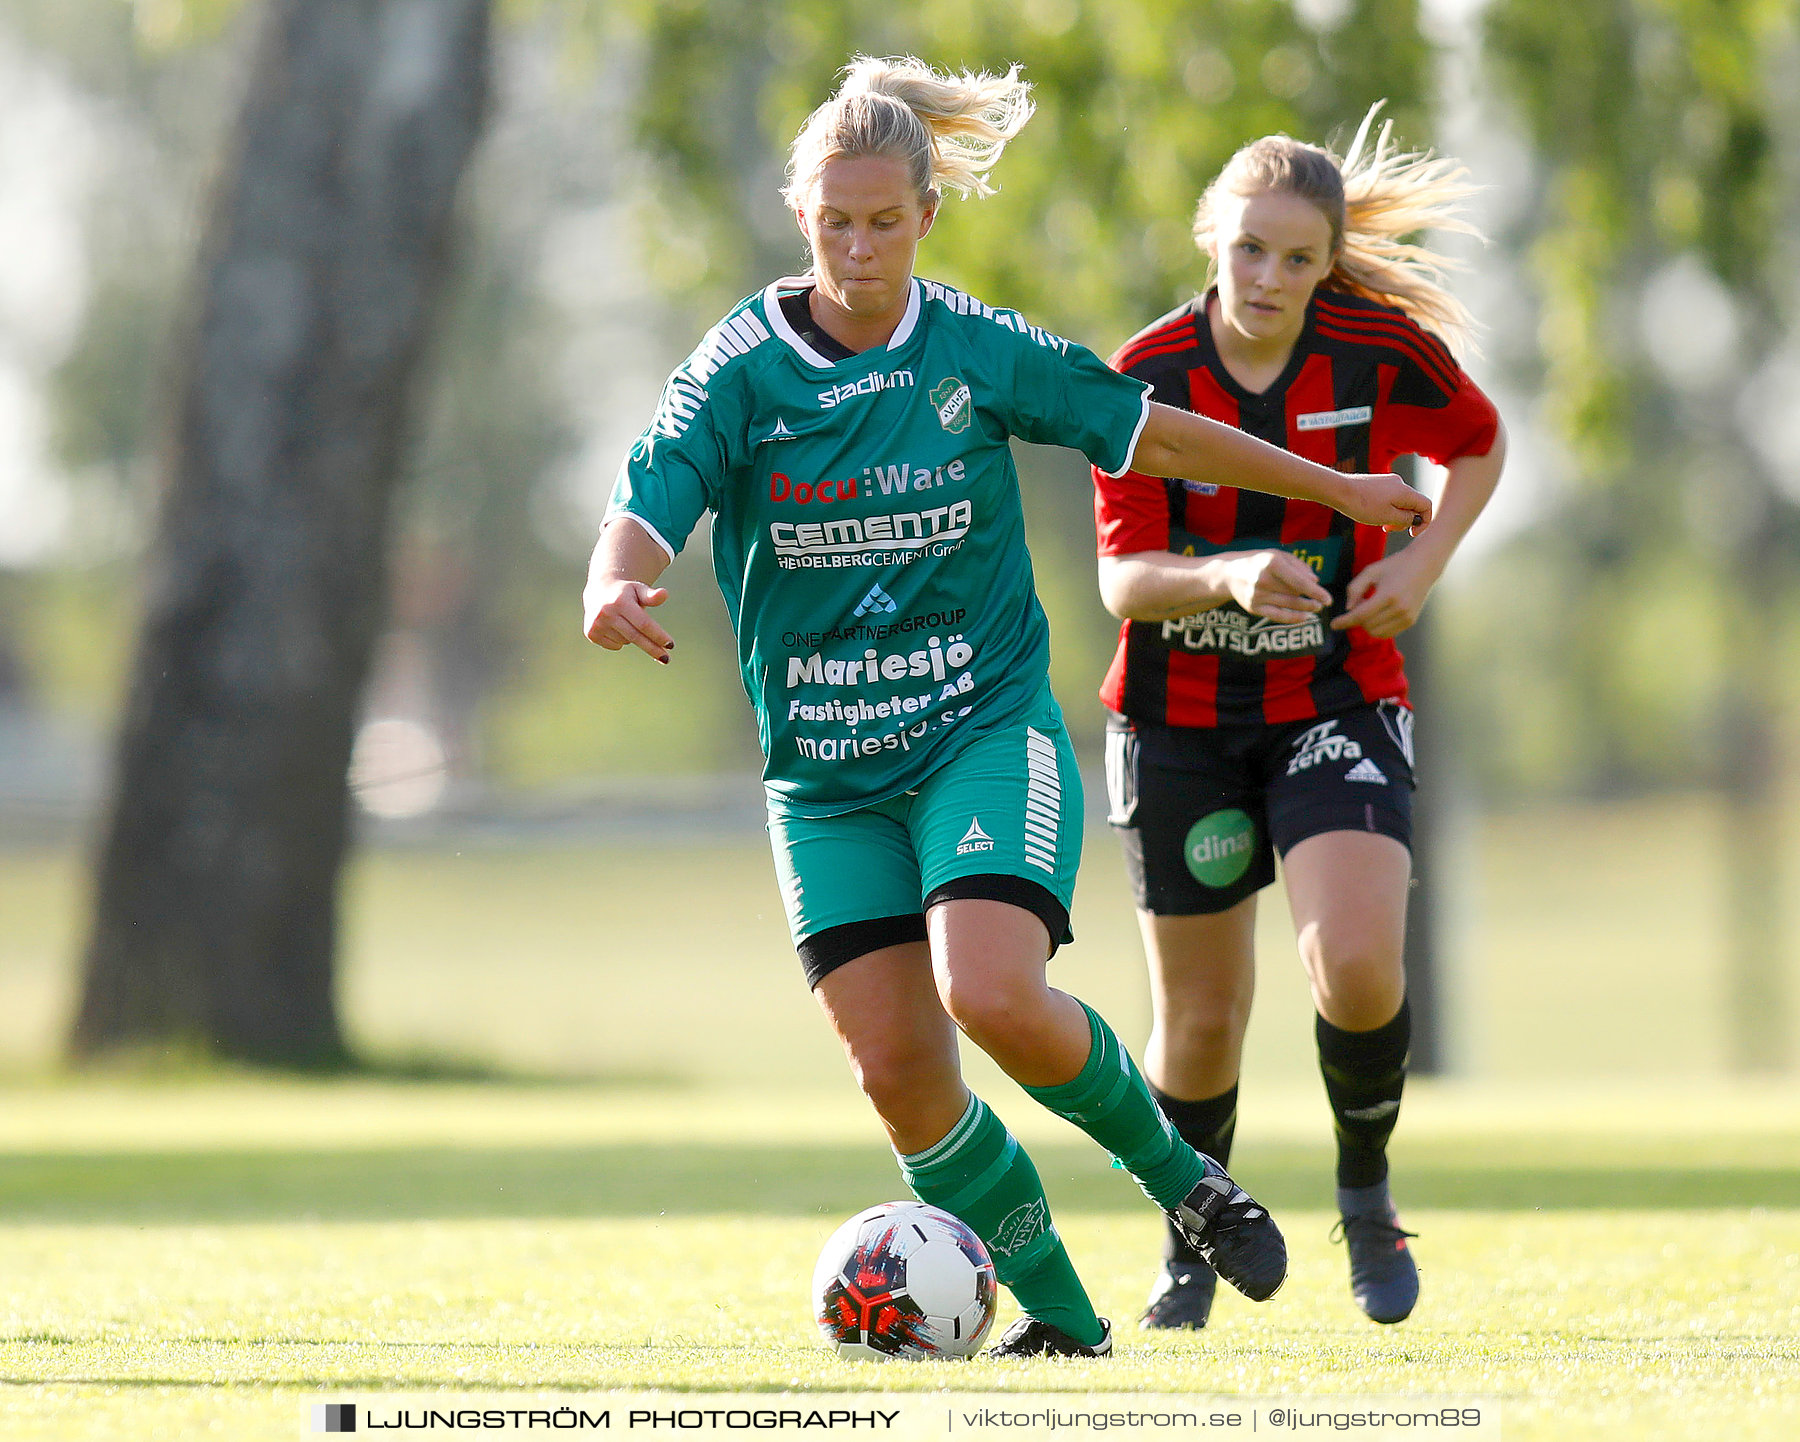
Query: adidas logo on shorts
[(1366, 770)]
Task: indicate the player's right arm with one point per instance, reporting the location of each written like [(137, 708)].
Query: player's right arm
[(1160, 586), (670, 478), (620, 590)]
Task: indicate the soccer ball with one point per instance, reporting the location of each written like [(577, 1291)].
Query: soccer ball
[(904, 1280)]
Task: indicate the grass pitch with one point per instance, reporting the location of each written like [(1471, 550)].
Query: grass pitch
[(203, 1259), (1610, 1235)]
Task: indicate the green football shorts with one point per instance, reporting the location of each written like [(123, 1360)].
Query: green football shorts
[(999, 821)]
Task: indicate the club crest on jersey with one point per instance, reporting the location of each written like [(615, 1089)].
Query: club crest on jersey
[(955, 404)]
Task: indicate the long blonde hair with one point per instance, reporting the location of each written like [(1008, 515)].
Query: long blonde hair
[(1375, 195), (948, 129)]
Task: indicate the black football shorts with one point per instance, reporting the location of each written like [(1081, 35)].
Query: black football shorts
[(1202, 811)]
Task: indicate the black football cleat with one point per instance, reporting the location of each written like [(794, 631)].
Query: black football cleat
[(1384, 1279), (1028, 1337), (1227, 1226), (1181, 1296)]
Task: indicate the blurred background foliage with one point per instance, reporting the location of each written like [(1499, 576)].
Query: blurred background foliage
[(1639, 293)]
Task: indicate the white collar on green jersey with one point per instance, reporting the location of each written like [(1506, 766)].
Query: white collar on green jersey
[(779, 323)]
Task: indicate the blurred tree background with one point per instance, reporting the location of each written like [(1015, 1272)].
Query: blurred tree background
[(1623, 624)]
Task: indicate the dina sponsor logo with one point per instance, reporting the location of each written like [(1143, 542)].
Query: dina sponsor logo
[(869, 385), (1219, 847), (1319, 744), (955, 404)]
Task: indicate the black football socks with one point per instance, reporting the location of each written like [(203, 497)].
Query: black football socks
[(1207, 1126), (1365, 1073)]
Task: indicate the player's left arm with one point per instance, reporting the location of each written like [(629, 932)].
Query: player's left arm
[(1386, 597), (1190, 447)]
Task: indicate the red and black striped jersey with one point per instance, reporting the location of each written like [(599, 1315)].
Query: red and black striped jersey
[(1365, 384)]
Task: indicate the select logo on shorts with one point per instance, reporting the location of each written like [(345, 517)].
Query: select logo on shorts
[(974, 839), (955, 404), (334, 1417), (1219, 847)]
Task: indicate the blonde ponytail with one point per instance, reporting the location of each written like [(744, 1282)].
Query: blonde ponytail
[(949, 130), (1372, 198)]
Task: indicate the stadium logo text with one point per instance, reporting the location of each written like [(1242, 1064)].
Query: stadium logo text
[(867, 386)]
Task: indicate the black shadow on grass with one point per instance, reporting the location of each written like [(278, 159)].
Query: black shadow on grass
[(675, 1180)]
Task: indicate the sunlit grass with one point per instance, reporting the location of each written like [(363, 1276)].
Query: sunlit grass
[(189, 1258), (1610, 1229)]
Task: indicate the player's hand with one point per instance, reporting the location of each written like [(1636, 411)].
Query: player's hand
[(618, 616), (1385, 501), (1385, 598), (1275, 585)]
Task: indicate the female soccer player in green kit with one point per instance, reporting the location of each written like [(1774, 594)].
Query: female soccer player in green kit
[(1259, 701), (849, 430)]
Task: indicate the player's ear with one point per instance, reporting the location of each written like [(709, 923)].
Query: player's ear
[(932, 199)]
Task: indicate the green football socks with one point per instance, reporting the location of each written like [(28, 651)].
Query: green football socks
[(979, 1173), (1111, 1102)]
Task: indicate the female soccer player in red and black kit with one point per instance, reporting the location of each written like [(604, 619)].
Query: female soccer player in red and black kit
[(1259, 705)]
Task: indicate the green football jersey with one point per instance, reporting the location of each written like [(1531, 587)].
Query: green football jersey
[(868, 535)]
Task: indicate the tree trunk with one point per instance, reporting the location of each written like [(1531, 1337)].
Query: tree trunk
[(324, 257)]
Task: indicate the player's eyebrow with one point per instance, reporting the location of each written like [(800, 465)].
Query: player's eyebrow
[(830, 209), (1306, 249)]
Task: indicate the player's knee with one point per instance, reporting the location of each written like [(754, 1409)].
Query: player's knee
[(893, 1073), (986, 1008), (1357, 981), (1202, 1033)]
